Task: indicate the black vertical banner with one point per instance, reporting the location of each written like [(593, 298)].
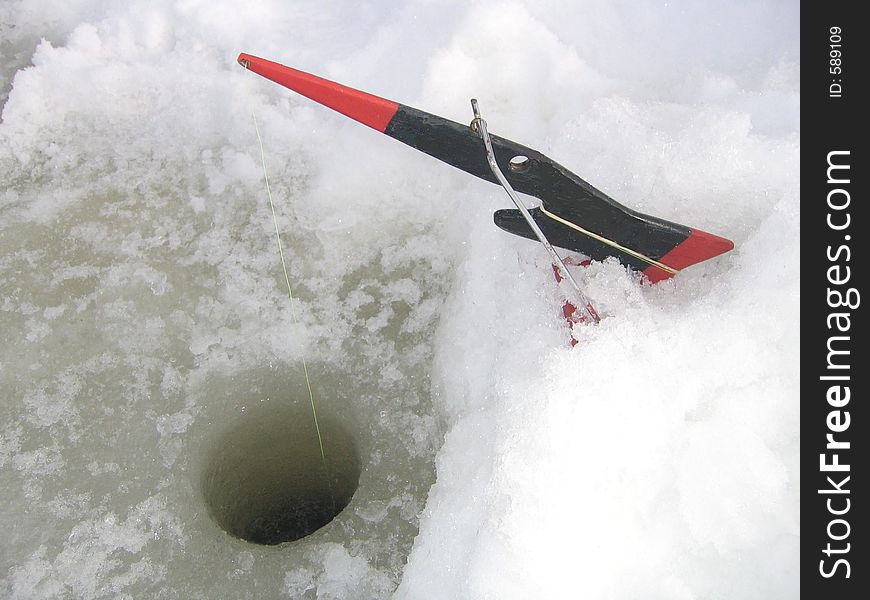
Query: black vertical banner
[(834, 267)]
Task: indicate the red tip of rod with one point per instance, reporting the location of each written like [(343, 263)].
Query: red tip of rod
[(366, 108), (698, 247)]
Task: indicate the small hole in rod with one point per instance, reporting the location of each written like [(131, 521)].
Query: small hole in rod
[(518, 164)]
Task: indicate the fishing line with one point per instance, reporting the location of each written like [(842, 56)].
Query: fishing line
[(611, 243), (289, 290)]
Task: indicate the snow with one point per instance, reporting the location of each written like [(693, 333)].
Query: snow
[(142, 308)]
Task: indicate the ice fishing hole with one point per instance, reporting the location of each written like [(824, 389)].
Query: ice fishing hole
[(519, 164), (266, 481)]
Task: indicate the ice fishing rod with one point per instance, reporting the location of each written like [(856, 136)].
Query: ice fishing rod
[(573, 215)]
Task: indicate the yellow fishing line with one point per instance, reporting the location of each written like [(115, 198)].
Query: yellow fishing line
[(287, 280), (610, 243)]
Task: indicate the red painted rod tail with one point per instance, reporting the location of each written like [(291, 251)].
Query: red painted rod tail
[(378, 113), (368, 109), (698, 247)]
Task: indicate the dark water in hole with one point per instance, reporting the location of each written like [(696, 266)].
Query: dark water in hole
[(267, 482), (290, 522)]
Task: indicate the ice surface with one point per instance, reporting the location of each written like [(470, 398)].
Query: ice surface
[(142, 310)]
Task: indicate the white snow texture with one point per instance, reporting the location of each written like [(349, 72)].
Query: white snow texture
[(142, 309)]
